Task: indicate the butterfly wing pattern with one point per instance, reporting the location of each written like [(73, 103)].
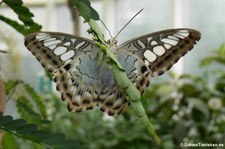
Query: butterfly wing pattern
[(155, 53), (81, 81), (84, 83)]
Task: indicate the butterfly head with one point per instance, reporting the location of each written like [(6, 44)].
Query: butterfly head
[(112, 42)]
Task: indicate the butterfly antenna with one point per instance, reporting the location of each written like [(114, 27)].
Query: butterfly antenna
[(106, 28), (128, 22)]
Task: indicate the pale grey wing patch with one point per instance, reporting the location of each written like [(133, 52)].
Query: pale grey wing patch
[(160, 50), (86, 85), (136, 70), (54, 49), (111, 99)]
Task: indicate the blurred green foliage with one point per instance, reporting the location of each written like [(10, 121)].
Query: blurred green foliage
[(23, 130), (186, 108), (24, 15)]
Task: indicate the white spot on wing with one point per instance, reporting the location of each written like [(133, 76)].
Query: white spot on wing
[(41, 35), (47, 44), (60, 50), (73, 40), (150, 56), (118, 102), (140, 44), (80, 44), (67, 44), (52, 47), (172, 38), (154, 43), (67, 55), (183, 33), (88, 95), (78, 98), (50, 39), (170, 41), (179, 36), (159, 50), (168, 46), (73, 89), (69, 83), (146, 62)]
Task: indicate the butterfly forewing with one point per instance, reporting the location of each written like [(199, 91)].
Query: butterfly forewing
[(160, 50), (53, 50)]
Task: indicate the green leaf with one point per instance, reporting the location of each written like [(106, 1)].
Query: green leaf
[(4, 120), (192, 78), (26, 110), (40, 134), (15, 124), (221, 51), (220, 86), (200, 111), (24, 15), (21, 129), (206, 61), (20, 28), (67, 143), (165, 90), (85, 9), (180, 131), (218, 57), (54, 139), (9, 141), (37, 99), (10, 2), (189, 90), (24, 106), (172, 74), (27, 129), (10, 85), (150, 92)]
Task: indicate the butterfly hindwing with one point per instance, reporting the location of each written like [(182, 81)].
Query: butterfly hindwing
[(85, 86), (137, 71)]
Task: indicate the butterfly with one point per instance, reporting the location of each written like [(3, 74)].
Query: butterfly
[(85, 84)]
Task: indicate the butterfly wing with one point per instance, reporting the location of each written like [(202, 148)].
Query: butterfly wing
[(85, 84), (155, 53), (81, 81), (54, 50)]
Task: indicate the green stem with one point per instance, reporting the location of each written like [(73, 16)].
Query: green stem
[(120, 75), (134, 97), (132, 92)]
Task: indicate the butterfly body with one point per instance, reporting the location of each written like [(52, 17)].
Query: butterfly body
[(84, 83)]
